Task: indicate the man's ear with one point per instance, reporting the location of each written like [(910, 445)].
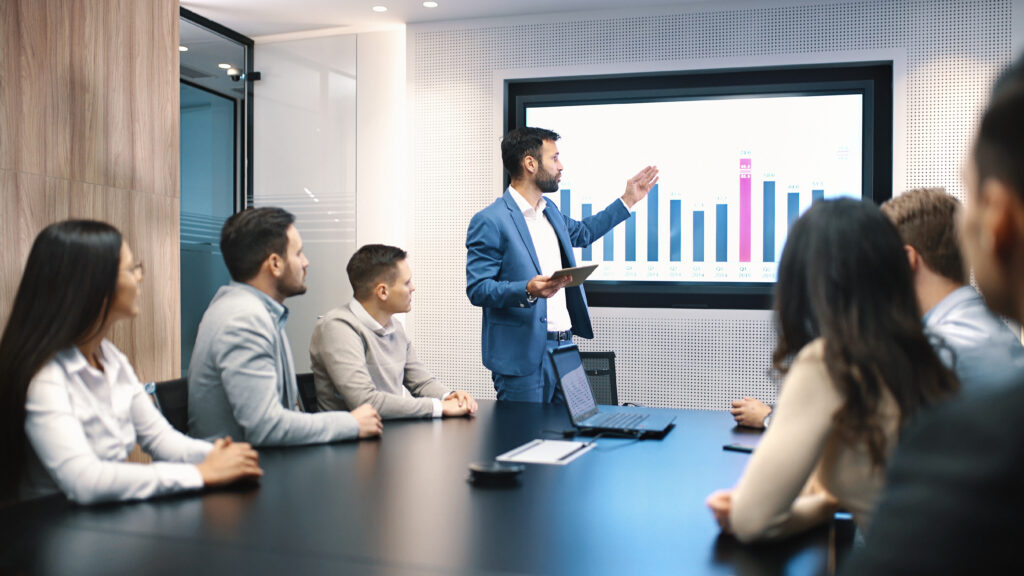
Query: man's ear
[(530, 164), (1002, 218), (275, 264), (913, 258), (381, 291)]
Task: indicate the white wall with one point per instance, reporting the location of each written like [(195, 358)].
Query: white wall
[(305, 161)]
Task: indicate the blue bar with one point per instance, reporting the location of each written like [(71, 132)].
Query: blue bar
[(609, 246), (652, 225), (794, 205), (565, 203), (794, 208), (817, 195), (675, 228), (721, 232), (631, 237), (698, 236), (769, 221), (588, 252)]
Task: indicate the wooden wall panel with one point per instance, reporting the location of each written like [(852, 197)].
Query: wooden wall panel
[(119, 92), (25, 77), (89, 129), (161, 302), (58, 91)]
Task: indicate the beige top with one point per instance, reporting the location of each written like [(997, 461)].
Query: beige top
[(770, 500)]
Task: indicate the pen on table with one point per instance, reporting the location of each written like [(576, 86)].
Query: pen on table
[(577, 449)]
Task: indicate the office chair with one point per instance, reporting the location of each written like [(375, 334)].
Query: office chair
[(172, 399), (307, 392), (600, 369)]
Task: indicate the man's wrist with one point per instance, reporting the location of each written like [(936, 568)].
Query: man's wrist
[(530, 297)]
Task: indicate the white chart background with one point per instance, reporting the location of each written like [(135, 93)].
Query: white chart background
[(799, 142)]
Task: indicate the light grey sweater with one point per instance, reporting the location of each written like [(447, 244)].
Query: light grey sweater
[(241, 381), (354, 364)]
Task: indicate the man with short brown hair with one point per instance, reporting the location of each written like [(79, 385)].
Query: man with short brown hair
[(973, 340)]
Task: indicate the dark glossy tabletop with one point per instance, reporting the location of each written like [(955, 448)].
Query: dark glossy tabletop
[(402, 505)]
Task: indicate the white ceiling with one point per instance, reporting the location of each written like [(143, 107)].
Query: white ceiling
[(264, 19)]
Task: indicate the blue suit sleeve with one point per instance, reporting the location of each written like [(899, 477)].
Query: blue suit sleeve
[(484, 255), (586, 232)]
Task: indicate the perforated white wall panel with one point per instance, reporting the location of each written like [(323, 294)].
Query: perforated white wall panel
[(946, 55)]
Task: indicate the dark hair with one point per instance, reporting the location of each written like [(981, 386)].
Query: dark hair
[(251, 236), (371, 264), (926, 219), (64, 297), (519, 144), (845, 278), (1000, 145)]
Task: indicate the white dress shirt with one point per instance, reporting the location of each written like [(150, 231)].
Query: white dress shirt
[(549, 254), (82, 423)]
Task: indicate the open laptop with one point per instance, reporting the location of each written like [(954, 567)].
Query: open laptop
[(590, 418)]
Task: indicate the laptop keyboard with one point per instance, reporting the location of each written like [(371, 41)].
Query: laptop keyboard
[(617, 420)]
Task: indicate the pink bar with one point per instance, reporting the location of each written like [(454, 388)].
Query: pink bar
[(744, 209)]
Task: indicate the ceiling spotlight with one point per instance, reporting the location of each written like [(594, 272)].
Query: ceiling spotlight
[(182, 48), (224, 66), (429, 4), (380, 8)]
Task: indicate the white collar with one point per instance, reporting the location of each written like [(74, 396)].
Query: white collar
[(524, 204), (364, 317)]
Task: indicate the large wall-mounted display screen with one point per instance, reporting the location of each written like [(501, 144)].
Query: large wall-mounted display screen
[(741, 155)]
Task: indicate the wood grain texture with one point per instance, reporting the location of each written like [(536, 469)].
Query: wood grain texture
[(157, 354), (89, 129)]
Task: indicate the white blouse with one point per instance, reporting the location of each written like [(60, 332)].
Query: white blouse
[(82, 423)]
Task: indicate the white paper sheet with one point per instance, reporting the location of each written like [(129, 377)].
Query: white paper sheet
[(558, 452)]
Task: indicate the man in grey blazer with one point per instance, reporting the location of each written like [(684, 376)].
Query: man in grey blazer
[(242, 377), (361, 355)]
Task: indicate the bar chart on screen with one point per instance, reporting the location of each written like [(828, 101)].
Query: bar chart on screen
[(735, 174)]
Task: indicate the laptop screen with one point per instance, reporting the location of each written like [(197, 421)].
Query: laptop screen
[(578, 396)]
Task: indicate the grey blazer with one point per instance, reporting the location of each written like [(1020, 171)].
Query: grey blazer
[(242, 377)]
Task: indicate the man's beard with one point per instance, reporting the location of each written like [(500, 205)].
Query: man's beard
[(288, 289), (547, 183)]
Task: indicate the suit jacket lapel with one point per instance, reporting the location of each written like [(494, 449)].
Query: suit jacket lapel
[(524, 232)]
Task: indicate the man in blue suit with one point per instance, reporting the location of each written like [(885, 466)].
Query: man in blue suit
[(513, 246)]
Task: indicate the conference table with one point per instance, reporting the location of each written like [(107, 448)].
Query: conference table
[(402, 505)]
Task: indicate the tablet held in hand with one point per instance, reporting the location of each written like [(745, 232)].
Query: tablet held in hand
[(579, 274)]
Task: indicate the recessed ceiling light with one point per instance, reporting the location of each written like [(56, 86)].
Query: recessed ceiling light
[(182, 48), (233, 72), (223, 66), (380, 8), (429, 4)]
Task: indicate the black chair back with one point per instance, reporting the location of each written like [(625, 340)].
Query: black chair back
[(307, 392), (600, 369), (172, 400)]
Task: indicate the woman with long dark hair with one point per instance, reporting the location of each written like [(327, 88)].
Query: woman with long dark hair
[(72, 406), (857, 367)]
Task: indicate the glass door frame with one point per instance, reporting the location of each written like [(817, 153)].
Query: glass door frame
[(243, 168)]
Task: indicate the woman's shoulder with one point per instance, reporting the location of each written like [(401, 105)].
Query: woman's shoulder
[(813, 351)]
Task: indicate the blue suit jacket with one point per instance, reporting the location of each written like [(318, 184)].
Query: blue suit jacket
[(501, 260)]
